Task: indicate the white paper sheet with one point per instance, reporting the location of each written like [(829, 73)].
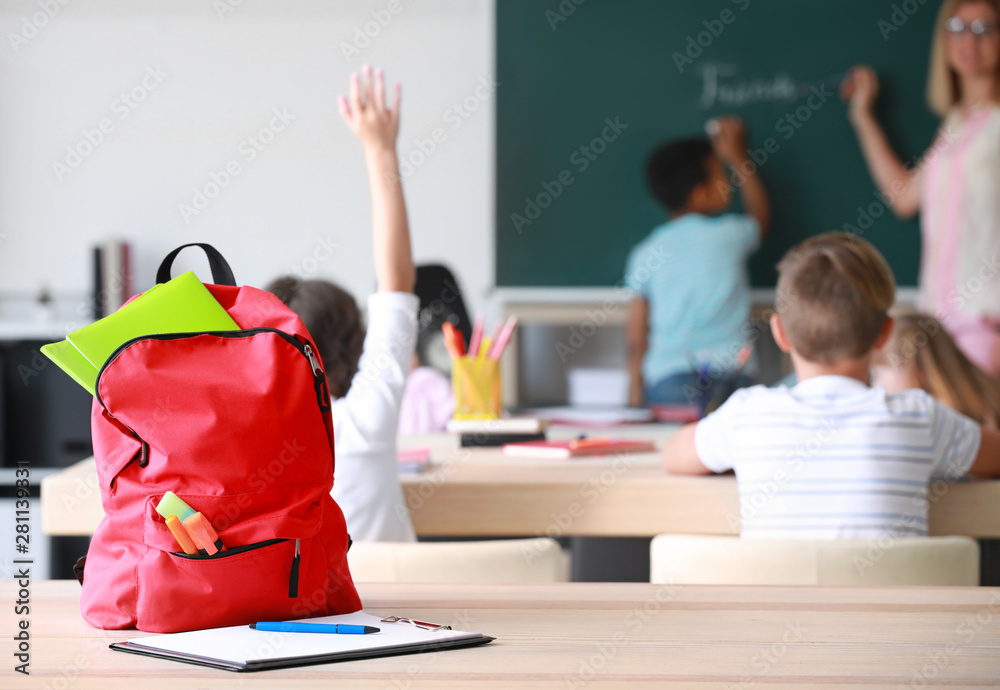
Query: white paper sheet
[(241, 644)]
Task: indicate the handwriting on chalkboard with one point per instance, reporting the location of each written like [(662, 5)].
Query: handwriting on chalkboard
[(721, 86)]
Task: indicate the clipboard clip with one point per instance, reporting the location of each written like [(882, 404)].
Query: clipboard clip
[(423, 625)]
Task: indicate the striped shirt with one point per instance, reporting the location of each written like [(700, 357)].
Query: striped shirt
[(832, 458)]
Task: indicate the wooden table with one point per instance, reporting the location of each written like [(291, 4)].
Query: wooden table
[(479, 493), (600, 636)]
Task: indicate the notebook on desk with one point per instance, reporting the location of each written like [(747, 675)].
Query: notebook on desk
[(507, 425), (241, 648), (560, 450)]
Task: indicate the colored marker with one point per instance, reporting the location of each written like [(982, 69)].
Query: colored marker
[(181, 535), (339, 629), (477, 336), (500, 341), (203, 535), (171, 505), (453, 340)]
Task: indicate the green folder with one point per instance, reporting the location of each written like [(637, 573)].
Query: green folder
[(72, 362), (181, 305)]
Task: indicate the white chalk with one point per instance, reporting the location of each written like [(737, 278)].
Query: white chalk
[(711, 127)]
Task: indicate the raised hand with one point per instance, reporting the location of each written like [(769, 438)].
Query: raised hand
[(366, 112), (729, 139), (859, 89)]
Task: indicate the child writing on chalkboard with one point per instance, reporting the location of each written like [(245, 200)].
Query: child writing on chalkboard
[(366, 369), (832, 458), (687, 319)]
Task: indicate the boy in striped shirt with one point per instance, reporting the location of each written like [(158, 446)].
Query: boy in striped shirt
[(833, 458)]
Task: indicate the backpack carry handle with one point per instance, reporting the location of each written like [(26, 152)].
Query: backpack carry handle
[(221, 273)]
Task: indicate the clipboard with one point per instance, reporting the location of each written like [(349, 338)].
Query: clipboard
[(242, 649)]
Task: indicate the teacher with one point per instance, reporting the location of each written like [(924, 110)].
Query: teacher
[(956, 185)]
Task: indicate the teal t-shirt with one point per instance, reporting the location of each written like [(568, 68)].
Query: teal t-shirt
[(693, 272)]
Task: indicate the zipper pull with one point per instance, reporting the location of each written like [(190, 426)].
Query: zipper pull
[(143, 453), (313, 359), (293, 578)]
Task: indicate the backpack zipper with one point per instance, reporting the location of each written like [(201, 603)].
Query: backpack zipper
[(293, 577), (228, 552), (305, 348), (319, 379), (142, 454)]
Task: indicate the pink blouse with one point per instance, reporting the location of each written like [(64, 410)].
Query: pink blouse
[(960, 223)]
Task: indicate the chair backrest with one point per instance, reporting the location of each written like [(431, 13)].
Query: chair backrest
[(499, 561), (690, 559)]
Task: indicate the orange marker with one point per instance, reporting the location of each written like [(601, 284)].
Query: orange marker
[(203, 535), (181, 535), (453, 340)]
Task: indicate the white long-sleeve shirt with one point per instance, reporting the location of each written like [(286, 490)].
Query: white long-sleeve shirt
[(366, 481)]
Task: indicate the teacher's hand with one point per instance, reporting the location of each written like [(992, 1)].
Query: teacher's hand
[(860, 89)]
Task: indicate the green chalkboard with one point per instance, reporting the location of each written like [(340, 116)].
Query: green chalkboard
[(566, 216)]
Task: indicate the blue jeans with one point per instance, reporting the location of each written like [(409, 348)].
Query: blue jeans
[(690, 388)]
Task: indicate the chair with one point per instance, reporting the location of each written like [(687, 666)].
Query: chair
[(498, 561), (690, 559)]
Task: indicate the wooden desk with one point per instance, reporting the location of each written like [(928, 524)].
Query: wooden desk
[(590, 636), (479, 493)]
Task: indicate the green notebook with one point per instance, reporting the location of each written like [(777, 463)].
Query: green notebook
[(181, 305), (72, 362)]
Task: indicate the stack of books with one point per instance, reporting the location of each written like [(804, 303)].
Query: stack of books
[(112, 276), (496, 432)]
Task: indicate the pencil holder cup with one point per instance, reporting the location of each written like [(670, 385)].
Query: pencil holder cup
[(475, 382)]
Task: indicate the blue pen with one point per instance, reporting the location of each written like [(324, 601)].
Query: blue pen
[(339, 629)]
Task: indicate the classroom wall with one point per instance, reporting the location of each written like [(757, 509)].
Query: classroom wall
[(206, 77)]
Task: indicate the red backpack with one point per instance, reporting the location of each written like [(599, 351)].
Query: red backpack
[(237, 424)]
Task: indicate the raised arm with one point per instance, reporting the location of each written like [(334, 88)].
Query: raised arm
[(897, 183), (729, 140), (376, 124)]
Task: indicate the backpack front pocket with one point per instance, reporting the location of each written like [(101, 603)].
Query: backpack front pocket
[(239, 586)]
